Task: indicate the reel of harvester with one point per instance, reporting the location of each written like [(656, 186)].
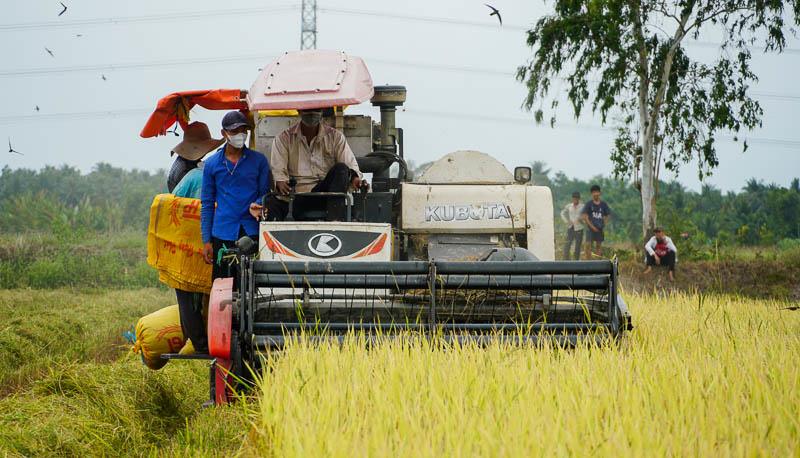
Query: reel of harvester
[(527, 302)]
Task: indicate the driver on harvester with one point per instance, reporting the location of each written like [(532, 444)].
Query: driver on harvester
[(317, 157)]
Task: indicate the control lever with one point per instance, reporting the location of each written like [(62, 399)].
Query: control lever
[(264, 211), (292, 191)]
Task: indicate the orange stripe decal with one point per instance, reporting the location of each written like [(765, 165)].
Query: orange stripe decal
[(275, 246), (375, 247)]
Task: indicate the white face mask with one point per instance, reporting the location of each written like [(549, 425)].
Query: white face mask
[(237, 140), (311, 118)]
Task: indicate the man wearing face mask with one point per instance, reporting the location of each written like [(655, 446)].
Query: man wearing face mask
[(233, 178), (317, 156)]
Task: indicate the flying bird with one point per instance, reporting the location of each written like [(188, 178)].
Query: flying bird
[(495, 12), (78, 35), (37, 108), (49, 52), (64, 10), (10, 149), (104, 77)]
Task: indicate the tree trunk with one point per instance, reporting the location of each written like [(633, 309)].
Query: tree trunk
[(648, 184), (650, 127)]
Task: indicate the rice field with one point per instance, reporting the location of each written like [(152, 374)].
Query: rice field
[(699, 375)]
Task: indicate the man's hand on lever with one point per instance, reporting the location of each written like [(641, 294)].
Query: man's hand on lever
[(282, 187), (256, 210), (358, 184)]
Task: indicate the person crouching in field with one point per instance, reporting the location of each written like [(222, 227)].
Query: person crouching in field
[(661, 252)]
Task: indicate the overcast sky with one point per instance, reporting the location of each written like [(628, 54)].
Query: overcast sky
[(461, 89)]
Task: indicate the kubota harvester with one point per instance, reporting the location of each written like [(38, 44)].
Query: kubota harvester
[(463, 252)]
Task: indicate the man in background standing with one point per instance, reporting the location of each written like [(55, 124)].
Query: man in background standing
[(571, 214), (595, 215)]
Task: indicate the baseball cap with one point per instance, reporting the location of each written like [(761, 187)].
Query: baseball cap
[(233, 120)]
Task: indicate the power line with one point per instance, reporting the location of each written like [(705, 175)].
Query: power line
[(169, 17), (583, 127), (73, 116), (100, 114), (135, 65), (495, 72), (209, 60), (189, 16), (484, 24), (430, 19), (264, 57)]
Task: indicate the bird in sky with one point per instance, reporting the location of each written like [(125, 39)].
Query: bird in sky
[(37, 108), (10, 149), (78, 35), (495, 12), (49, 52), (104, 77), (64, 10)]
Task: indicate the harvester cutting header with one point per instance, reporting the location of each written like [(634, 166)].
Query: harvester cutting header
[(465, 251)]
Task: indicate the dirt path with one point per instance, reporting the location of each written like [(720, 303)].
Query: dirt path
[(757, 278)]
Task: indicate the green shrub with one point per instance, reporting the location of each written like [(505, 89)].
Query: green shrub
[(788, 244), (110, 260)]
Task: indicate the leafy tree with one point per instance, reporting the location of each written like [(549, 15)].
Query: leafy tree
[(540, 173), (627, 59)]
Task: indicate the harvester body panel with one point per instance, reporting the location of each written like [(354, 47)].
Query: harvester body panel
[(340, 241)]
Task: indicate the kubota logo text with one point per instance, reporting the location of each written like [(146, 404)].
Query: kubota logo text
[(466, 212), (324, 244)]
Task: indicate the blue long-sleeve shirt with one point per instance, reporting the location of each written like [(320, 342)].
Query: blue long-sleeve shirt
[(191, 185), (232, 187)]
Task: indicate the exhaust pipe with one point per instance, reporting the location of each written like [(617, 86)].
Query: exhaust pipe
[(387, 98)]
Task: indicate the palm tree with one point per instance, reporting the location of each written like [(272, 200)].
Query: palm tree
[(540, 173)]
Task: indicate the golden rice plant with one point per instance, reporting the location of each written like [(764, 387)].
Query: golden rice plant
[(698, 376)]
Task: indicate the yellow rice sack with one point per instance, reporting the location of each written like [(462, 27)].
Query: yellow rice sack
[(174, 244), (158, 333)]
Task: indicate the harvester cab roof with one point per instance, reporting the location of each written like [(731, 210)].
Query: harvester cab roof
[(465, 251)]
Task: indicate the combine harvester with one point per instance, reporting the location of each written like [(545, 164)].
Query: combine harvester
[(465, 252)]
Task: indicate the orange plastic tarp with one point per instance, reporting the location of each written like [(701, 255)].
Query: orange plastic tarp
[(176, 107)]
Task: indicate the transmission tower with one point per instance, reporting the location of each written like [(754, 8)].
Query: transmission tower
[(308, 29)]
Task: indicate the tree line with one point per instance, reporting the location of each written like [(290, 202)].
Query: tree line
[(113, 199), (758, 214), (61, 198)]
